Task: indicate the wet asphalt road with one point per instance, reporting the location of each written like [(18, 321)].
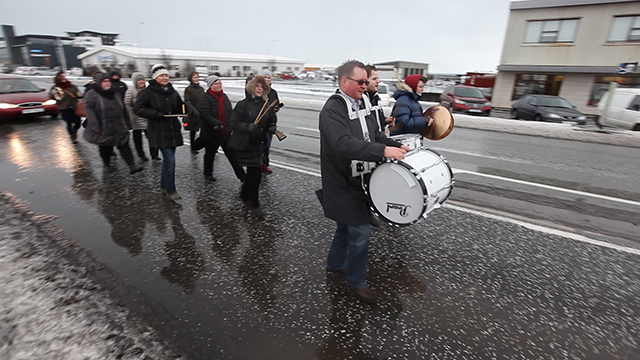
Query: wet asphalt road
[(221, 285)]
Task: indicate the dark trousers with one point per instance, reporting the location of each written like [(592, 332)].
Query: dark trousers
[(137, 140), (125, 152), (73, 121), (265, 149), (251, 186), (209, 156), (192, 137)]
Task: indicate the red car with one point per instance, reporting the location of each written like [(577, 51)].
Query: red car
[(20, 97), (287, 75), (465, 99)]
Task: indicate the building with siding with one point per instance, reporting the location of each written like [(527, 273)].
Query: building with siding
[(569, 48)]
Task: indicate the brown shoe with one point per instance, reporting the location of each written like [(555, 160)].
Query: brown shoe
[(365, 294)]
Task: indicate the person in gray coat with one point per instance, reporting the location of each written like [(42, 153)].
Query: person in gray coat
[(139, 123), (108, 122), (342, 140)]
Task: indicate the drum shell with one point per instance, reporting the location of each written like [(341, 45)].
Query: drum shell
[(403, 192), (413, 141)]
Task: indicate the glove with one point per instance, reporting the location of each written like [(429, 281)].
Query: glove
[(253, 128), (159, 115), (196, 113), (272, 129)]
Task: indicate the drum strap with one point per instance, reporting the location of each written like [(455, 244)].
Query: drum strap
[(360, 114)]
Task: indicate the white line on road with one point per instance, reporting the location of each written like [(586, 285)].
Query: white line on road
[(305, 128), (534, 227)]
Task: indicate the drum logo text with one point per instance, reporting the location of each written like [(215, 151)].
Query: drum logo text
[(401, 207)]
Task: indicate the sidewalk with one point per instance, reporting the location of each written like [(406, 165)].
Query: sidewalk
[(52, 308)]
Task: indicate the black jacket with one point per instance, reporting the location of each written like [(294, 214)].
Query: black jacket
[(108, 121), (153, 102), (248, 142), (210, 125), (341, 141), (192, 96), (375, 100), (120, 87)]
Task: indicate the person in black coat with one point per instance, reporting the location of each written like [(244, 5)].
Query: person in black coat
[(108, 123), (343, 199), (247, 138), (192, 95), (374, 98), (215, 114), (118, 86), (158, 102)]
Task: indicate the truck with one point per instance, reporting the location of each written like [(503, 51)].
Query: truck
[(620, 107)]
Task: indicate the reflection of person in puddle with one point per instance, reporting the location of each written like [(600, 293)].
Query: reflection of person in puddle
[(84, 182), (120, 204), (185, 261), (222, 226), (258, 270)]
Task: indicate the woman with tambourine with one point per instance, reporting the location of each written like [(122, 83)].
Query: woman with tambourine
[(248, 132)]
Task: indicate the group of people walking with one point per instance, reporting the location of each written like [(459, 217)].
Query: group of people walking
[(113, 110)]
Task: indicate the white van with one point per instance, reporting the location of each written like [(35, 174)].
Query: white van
[(620, 107)]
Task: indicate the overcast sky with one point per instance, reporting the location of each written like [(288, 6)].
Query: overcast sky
[(452, 36)]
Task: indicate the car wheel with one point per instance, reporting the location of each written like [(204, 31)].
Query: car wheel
[(538, 118), (514, 114)]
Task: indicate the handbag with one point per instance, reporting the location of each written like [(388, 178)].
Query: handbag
[(80, 108)]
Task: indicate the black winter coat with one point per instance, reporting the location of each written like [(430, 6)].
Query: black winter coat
[(153, 102), (192, 96), (341, 141), (246, 142), (120, 87), (379, 115), (210, 125), (108, 121)]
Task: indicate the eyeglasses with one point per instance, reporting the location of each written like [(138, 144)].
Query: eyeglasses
[(360, 82)]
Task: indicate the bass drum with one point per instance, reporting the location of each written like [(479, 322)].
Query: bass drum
[(402, 192)]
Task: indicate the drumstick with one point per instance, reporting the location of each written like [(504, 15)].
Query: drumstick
[(260, 116), (260, 113)]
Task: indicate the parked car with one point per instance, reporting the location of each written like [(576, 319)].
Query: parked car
[(301, 76), (76, 71), (620, 107), (24, 70), (287, 75), (546, 108), (20, 97), (465, 99), (385, 93), (4, 69)]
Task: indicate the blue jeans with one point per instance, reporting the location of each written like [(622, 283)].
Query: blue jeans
[(350, 251), (168, 176)]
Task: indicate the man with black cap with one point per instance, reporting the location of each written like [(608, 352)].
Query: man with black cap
[(116, 84)]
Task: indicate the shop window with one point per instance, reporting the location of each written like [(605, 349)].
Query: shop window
[(625, 28), (536, 84), (215, 68), (551, 31), (601, 85)]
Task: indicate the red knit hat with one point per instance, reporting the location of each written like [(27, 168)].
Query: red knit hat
[(413, 80)]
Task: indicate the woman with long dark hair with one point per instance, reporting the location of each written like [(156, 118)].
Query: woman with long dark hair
[(66, 95), (215, 114), (108, 123)]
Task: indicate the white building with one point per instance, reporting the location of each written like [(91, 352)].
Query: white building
[(569, 48), (129, 59)]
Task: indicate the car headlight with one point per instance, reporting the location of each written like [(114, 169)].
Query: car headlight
[(554, 116), (459, 101), (488, 103), (7, 106), (49, 102), (582, 118)]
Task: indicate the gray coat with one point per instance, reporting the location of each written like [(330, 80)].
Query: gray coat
[(341, 141), (130, 96), (108, 122)]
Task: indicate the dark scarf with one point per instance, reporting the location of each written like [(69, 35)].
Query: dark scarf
[(219, 95), (63, 84), (109, 94)]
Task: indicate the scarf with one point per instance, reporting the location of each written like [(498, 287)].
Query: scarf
[(219, 95), (63, 84)]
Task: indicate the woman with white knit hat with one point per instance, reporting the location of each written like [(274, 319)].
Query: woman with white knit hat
[(160, 103)]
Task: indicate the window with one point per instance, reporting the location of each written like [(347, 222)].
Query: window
[(635, 104), (296, 68), (236, 68), (265, 67), (601, 85), (216, 68), (246, 68), (551, 31), (174, 67), (288, 68), (533, 101), (625, 28), (536, 84)]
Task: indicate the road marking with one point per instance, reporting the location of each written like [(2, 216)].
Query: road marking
[(305, 128), (539, 228), (549, 187)]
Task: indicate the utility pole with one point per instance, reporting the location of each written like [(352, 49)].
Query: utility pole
[(63, 60)]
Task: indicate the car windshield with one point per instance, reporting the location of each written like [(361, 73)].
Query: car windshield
[(556, 102), (8, 86), (469, 92)]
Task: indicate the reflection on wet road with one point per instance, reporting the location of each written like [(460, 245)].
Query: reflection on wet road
[(226, 286)]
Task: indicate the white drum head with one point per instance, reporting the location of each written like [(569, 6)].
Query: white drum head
[(396, 194)]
